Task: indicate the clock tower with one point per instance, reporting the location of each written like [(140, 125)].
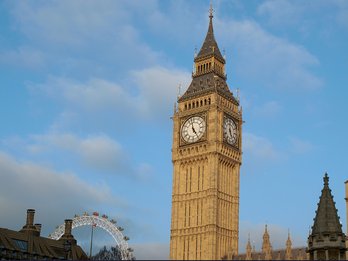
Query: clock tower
[(206, 155)]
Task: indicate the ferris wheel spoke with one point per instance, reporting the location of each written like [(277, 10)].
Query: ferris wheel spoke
[(103, 223)]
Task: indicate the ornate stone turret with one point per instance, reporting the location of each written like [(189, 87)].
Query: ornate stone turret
[(288, 255), (327, 241), (248, 250), (266, 245)]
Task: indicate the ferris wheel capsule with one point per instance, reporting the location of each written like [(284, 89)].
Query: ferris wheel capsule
[(120, 228)]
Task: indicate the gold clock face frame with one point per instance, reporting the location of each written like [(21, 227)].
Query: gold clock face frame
[(230, 130), (193, 129)]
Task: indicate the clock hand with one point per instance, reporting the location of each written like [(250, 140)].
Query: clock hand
[(229, 129), (193, 129)]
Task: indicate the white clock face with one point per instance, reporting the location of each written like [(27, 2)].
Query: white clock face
[(193, 129), (230, 131)]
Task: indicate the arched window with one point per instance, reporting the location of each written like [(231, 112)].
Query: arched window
[(185, 106), (205, 101), (201, 102), (189, 105)]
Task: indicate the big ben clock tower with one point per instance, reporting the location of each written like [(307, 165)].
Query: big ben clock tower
[(206, 155)]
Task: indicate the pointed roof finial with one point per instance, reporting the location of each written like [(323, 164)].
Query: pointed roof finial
[(326, 179), (211, 10)]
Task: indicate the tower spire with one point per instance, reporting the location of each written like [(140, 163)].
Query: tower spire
[(211, 10), (327, 229), (210, 47), (209, 68), (248, 249), (288, 251), (266, 245)]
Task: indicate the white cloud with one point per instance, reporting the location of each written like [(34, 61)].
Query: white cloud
[(300, 146), (54, 195), (94, 95), (152, 95), (158, 87), (84, 36), (23, 56), (302, 14), (98, 152), (268, 109), (260, 148), (281, 12), (268, 60), (342, 13)]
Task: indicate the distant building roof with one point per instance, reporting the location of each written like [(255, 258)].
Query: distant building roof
[(326, 219), (298, 253), (28, 244)]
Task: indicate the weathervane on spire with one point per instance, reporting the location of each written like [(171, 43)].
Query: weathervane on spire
[(211, 10)]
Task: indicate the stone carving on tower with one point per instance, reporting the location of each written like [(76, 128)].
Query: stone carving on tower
[(206, 156), (326, 241)]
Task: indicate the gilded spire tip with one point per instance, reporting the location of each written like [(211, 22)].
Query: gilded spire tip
[(211, 10), (326, 179)]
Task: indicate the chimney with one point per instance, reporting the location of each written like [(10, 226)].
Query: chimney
[(67, 232), (29, 226), (68, 227), (30, 217), (38, 228)]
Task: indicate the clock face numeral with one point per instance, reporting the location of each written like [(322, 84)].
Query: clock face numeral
[(193, 129), (230, 131)]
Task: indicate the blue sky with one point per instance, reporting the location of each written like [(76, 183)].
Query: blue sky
[(88, 89)]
